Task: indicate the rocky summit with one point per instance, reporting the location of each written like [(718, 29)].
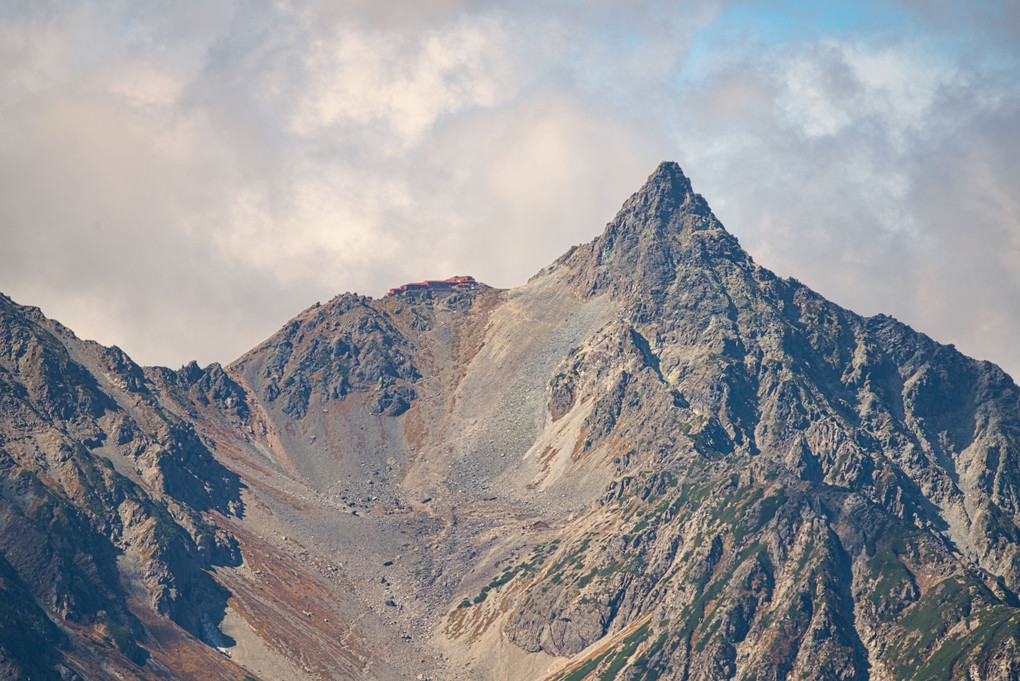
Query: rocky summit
[(655, 460)]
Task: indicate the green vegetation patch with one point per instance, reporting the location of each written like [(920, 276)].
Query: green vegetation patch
[(890, 572), (616, 656), (623, 652), (932, 651), (643, 664), (582, 671), (940, 608), (956, 653), (508, 574)]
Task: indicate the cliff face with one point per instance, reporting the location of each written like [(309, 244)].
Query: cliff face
[(656, 460), (102, 495), (801, 492)]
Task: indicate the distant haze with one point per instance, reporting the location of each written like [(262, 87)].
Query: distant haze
[(180, 180)]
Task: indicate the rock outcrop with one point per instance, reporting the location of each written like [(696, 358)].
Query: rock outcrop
[(102, 494)]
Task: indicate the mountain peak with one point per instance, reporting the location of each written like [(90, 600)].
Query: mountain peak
[(668, 181), (665, 194), (661, 225)]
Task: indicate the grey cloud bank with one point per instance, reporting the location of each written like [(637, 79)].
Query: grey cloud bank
[(181, 183)]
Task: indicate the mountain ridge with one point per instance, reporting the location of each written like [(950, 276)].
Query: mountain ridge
[(656, 459)]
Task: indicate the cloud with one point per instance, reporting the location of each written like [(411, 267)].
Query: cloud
[(882, 175), (180, 183), (400, 81)]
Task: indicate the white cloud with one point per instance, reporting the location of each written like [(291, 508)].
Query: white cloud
[(181, 182), (328, 221), (399, 79), (834, 85), (882, 179)]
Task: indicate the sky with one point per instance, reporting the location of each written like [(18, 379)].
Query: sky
[(180, 179)]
